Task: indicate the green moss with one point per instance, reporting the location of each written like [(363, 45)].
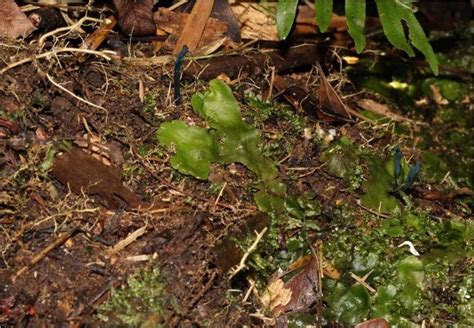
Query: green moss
[(408, 287), (343, 161), (149, 103), (140, 303)]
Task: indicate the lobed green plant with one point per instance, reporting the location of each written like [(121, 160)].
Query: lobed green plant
[(228, 140), (392, 15)]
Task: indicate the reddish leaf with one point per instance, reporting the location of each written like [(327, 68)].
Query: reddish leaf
[(304, 289), (6, 305), (136, 16), (13, 23), (10, 125), (329, 101)]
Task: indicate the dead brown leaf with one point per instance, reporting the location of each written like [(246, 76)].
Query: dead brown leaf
[(13, 22), (373, 323), (296, 95), (276, 295), (304, 290), (329, 101), (83, 173), (135, 17)]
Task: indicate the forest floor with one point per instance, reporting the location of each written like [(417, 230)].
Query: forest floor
[(98, 228)]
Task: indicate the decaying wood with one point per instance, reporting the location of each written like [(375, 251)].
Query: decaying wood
[(222, 10), (253, 63), (255, 22)]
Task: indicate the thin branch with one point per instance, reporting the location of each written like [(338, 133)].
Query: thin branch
[(249, 251), (76, 96), (41, 255), (75, 26), (104, 54)]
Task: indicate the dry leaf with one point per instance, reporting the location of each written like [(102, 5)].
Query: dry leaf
[(304, 290), (329, 100), (13, 22), (373, 323), (350, 60), (330, 271), (83, 173), (276, 295), (255, 22), (135, 16), (296, 95)]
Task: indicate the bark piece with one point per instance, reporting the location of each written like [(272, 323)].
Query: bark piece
[(284, 60), (83, 173), (172, 23), (194, 27), (13, 23), (223, 12), (94, 40)]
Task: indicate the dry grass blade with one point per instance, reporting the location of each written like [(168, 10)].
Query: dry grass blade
[(128, 240)]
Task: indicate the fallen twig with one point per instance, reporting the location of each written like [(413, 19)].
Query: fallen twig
[(128, 240), (104, 54), (72, 94), (249, 251), (41, 255), (75, 26)]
